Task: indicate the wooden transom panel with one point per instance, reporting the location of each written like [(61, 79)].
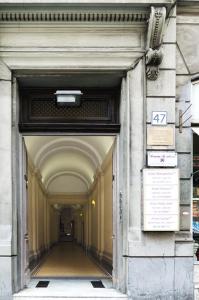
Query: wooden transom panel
[(98, 111)]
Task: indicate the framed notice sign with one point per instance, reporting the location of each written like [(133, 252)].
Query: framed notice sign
[(161, 199), (162, 158)]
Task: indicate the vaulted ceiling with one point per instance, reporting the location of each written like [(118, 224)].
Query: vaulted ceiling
[(68, 163)]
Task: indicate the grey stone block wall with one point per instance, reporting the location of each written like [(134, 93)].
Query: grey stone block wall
[(184, 142), (164, 278), (7, 265), (167, 274)]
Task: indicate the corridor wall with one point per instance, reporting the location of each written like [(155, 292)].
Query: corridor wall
[(54, 225), (43, 219), (100, 211)]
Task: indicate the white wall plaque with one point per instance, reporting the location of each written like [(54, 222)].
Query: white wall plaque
[(162, 159), (160, 136), (159, 118), (161, 199)]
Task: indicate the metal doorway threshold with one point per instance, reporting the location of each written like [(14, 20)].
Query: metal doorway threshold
[(69, 289)]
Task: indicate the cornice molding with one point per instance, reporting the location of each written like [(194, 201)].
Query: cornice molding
[(105, 16), (98, 3)]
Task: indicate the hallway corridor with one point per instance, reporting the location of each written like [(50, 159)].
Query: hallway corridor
[(67, 259)]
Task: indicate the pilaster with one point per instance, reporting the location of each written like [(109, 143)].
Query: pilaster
[(5, 161), (152, 250), (101, 212), (6, 210)]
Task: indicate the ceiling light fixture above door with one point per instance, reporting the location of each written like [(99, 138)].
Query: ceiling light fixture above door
[(68, 98)]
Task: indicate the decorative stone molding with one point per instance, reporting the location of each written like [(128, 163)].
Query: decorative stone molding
[(73, 16), (5, 73), (154, 54), (153, 60)]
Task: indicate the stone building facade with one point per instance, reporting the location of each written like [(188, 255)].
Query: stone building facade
[(152, 47)]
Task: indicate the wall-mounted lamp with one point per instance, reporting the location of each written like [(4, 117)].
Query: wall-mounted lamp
[(81, 214), (68, 98), (93, 202)]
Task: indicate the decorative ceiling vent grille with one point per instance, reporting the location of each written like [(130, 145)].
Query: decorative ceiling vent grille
[(88, 110)]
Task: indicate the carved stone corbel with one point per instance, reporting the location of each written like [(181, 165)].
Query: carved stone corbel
[(154, 54)]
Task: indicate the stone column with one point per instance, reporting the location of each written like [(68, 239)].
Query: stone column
[(101, 224), (86, 210), (89, 222), (7, 256), (100, 213), (36, 214), (33, 212), (45, 222), (48, 223)]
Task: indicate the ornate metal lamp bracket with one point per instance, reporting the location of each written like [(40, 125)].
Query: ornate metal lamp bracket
[(154, 53)]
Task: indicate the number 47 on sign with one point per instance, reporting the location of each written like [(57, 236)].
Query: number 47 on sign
[(159, 118)]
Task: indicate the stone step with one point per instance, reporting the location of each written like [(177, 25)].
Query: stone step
[(37, 294), (68, 298), (69, 289)]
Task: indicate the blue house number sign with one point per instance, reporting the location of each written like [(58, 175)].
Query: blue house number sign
[(159, 118)]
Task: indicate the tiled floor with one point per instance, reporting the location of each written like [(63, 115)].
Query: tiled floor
[(68, 260)]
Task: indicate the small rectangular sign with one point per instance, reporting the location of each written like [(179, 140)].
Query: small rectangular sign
[(162, 159), (161, 199), (159, 118), (160, 136)]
